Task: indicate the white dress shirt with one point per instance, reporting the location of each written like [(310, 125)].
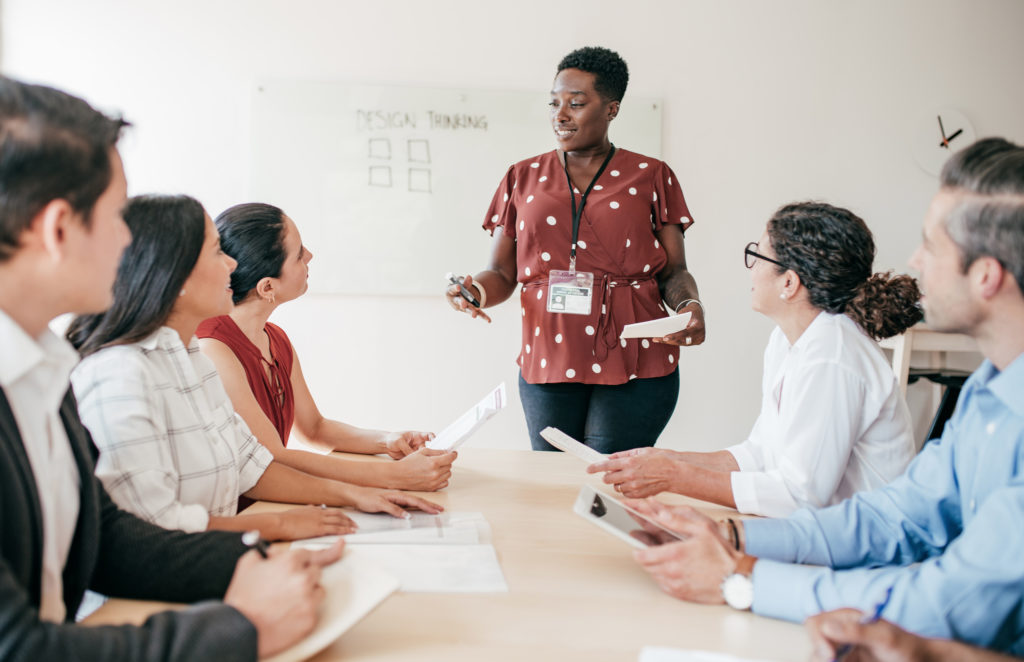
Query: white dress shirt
[(172, 449), (832, 422), (34, 377)]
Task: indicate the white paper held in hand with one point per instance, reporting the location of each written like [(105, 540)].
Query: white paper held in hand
[(564, 442), (354, 585), (659, 328), (458, 432)]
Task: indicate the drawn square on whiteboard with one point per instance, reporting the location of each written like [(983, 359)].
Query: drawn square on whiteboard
[(380, 176), (380, 148), (419, 150), (419, 180)]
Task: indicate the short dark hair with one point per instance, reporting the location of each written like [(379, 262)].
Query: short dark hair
[(611, 75), (167, 237), (990, 219), (53, 146), (832, 251), (253, 234)]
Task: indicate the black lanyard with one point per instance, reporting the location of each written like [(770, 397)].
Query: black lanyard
[(577, 214)]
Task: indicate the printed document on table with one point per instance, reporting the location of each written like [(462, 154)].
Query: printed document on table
[(354, 586), (659, 328), (447, 528), (660, 654), (458, 432), (445, 553), (441, 568)]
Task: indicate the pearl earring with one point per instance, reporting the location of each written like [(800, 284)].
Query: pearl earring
[(783, 296), (182, 293)]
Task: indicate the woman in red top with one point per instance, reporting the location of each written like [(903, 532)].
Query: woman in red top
[(595, 235), (263, 376)]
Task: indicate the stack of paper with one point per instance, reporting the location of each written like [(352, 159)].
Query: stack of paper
[(445, 553)]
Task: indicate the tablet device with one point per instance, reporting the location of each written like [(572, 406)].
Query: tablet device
[(564, 442), (620, 520)]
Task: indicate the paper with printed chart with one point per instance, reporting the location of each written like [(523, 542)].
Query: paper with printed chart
[(458, 432), (659, 328), (354, 586)]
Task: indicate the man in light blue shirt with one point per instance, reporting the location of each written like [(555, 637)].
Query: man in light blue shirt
[(943, 545)]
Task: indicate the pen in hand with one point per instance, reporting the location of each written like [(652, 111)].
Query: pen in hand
[(845, 649), (465, 293), (252, 540)]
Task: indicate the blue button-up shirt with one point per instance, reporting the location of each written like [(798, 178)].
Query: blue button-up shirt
[(947, 536)]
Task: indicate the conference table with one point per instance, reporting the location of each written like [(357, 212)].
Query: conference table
[(575, 592)]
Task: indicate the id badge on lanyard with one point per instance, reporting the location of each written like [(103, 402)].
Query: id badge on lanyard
[(572, 291)]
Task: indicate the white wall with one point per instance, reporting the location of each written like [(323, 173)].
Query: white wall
[(765, 102)]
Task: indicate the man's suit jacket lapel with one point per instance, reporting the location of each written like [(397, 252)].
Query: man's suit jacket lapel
[(21, 470)]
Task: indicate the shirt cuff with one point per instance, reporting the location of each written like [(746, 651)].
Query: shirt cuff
[(770, 539), (779, 589), (191, 519), (744, 458)]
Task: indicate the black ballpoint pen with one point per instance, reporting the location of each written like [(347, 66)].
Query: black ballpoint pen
[(462, 289), (252, 540)]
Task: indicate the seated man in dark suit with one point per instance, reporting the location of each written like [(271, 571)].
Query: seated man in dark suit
[(62, 187)]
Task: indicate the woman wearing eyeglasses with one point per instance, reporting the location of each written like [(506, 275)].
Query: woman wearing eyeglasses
[(832, 421)]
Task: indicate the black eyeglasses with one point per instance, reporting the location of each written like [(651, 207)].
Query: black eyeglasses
[(750, 256)]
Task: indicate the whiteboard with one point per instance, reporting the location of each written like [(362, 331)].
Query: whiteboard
[(389, 185)]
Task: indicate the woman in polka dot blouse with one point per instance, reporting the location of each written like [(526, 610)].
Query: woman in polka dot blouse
[(576, 373)]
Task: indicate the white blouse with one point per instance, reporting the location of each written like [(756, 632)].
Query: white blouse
[(172, 449), (832, 422)]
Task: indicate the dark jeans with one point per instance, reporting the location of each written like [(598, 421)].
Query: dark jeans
[(606, 418)]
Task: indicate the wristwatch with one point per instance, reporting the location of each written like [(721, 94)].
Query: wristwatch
[(738, 588)]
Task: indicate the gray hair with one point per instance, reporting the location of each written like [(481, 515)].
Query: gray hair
[(989, 220)]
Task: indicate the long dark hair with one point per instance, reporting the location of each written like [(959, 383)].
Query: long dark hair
[(253, 234), (832, 251), (167, 237)]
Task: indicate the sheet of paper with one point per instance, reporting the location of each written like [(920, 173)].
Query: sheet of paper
[(562, 441), (458, 432), (658, 328), (448, 528), (660, 654), (441, 568), (354, 585)]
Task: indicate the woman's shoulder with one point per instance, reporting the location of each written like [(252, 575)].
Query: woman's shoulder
[(118, 364), (641, 160), (538, 161), (219, 327)]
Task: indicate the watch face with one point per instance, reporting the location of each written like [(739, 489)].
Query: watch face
[(738, 591), (938, 135)]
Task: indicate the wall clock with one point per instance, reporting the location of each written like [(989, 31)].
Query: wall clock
[(938, 136)]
